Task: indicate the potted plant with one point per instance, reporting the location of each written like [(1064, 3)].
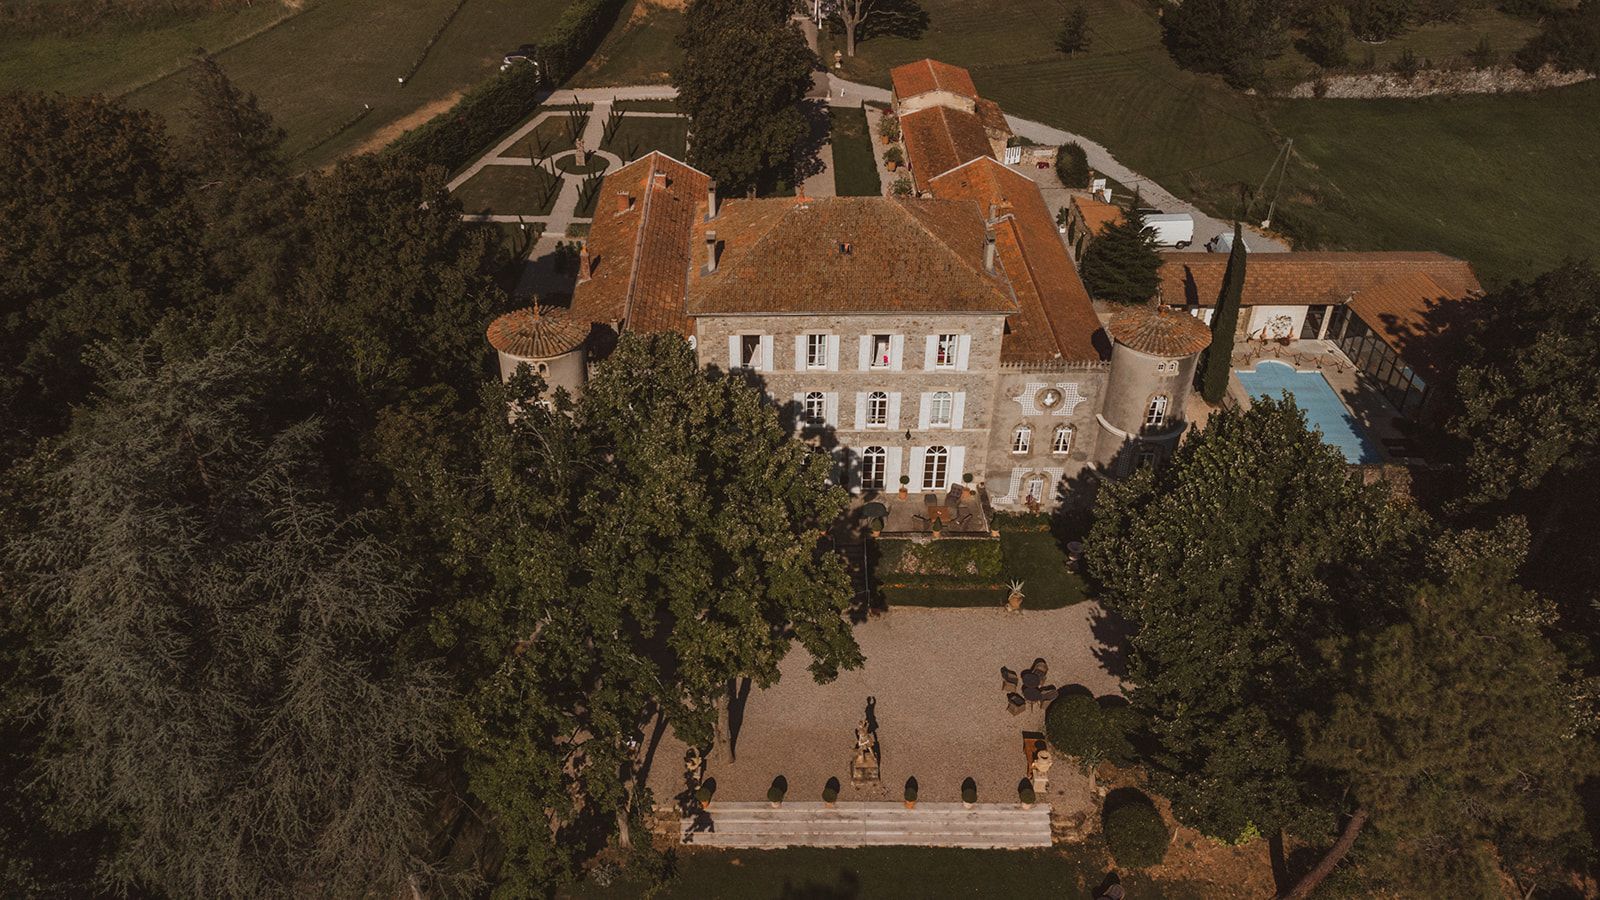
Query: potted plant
[(1026, 795), (702, 796), (1014, 599), (969, 793), (780, 786), (938, 526), (893, 157), (902, 186), (904, 480), (966, 479), (889, 128), (911, 793), (877, 526), (830, 792)]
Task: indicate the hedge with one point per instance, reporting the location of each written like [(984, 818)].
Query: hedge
[(452, 138), (1136, 835), (1075, 724)]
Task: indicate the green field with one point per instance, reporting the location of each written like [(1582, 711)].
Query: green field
[(1071, 871), (1506, 182), (314, 71), (637, 135), (855, 169)]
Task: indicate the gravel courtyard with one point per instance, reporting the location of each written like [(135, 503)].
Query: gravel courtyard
[(933, 676)]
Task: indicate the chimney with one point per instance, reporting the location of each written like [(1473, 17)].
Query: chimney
[(711, 199), (991, 212), (624, 202), (1006, 208), (988, 251), (583, 263), (659, 179), (711, 253)]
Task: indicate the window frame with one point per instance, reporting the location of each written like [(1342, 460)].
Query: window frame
[(1058, 447), (935, 467), (947, 350), (816, 351), (1022, 440), (1155, 413), (945, 400), (874, 469), (814, 408), (750, 351), (877, 412), (885, 344)]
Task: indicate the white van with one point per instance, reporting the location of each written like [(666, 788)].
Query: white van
[(1172, 229)]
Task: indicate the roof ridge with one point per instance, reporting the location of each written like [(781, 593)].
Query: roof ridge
[(903, 205), (638, 239)]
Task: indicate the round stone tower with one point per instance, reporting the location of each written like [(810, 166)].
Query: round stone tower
[(549, 342), (1153, 356)]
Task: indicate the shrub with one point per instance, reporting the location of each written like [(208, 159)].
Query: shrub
[(969, 791), (894, 155), (1135, 833), (830, 791), (577, 33), (487, 111), (911, 790), (774, 794), (1026, 794), (1072, 165), (889, 127), (903, 188), (1076, 725), (702, 795)]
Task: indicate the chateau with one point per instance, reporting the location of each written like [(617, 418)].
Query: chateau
[(919, 340)]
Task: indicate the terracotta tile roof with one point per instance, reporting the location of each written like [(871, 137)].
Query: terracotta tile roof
[(1056, 318), (991, 117), (1293, 279), (1159, 331), (639, 258), (939, 138), (1097, 215), (1413, 315), (537, 333), (783, 256), (927, 75)]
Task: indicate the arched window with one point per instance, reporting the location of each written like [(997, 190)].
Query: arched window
[(1061, 444), (1021, 440), (935, 465), (1156, 415), (939, 409), (873, 468), (877, 408), (816, 406)]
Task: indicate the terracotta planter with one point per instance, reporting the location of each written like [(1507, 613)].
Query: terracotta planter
[(902, 493), (965, 805), (891, 164), (911, 804)]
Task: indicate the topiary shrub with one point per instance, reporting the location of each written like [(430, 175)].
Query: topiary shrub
[(1134, 831), (1078, 726), (969, 791), (1072, 165)]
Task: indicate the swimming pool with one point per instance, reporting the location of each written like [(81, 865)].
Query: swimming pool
[(1323, 409)]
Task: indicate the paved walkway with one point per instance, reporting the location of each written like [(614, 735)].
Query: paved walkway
[(932, 679)]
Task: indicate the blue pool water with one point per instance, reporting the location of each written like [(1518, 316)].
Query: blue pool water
[(1323, 409)]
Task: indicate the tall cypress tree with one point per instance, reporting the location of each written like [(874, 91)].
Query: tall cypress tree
[(1219, 356)]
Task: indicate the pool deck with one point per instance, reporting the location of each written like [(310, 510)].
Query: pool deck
[(1379, 420)]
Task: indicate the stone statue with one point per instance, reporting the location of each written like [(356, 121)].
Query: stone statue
[(1039, 771), (583, 156)]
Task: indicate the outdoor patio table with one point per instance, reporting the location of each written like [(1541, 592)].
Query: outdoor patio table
[(1030, 679), (1031, 694)]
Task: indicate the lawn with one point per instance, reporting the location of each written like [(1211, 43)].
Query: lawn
[(551, 136), (855, 169), (641, 48), (1506, 182), (1033, 557), (1070, 871), (319, 69), (508, 191), (637, 135)]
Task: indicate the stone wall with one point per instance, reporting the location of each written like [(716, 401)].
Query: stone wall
[(1431, 82)]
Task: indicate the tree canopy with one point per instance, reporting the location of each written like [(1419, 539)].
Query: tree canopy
[(1231, 38), (744, 72), (224, 695), (1233, 564), (625, 557), (1121, 264)]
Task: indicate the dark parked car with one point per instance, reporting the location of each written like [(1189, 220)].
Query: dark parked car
[(528, 53)]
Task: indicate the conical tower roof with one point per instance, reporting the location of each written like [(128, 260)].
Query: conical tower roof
[(1159, 331), (536, 333)]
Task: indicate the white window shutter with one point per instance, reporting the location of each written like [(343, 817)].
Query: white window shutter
[(958, 408), (891, 468), (894, 409), (830, 409), (766, 354), (833, 353), (861, 410), (930, 355), (866, 352), (897, 351), (799, 352), (734, 361), (963, 350), (924, 414), (918, 466), (958, 459)]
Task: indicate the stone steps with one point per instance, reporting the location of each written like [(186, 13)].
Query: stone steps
[(814, 824)]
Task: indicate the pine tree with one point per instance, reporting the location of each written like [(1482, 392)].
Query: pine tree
[(1121, 265), (1224, 321)]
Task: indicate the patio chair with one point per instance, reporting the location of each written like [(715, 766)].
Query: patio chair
[(1040, 668), (1015, 704), (1008, 679), (1048, 693)]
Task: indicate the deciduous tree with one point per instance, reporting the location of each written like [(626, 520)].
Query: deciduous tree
[(1074, 34), (631, 554), (1231, 38), (744, 71), (863, 18), (1234, 565)]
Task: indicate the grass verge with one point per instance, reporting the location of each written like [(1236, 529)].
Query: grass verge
[(855, 170), (508, 191)]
